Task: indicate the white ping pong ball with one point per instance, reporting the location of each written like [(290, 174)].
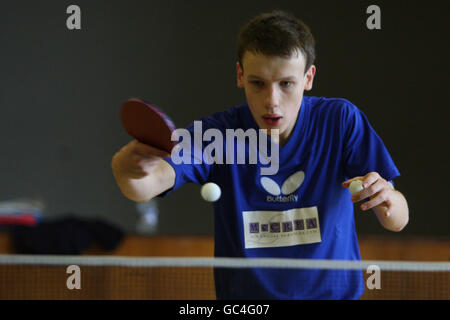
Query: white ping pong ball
[(210, 192), (355, 187)]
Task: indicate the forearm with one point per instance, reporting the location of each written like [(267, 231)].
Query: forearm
[(145, 188), (397, 217), (139, 190)]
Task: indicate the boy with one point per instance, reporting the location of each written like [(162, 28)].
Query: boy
[(324, 144)]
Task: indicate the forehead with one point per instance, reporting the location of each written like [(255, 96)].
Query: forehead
[(273, 66)]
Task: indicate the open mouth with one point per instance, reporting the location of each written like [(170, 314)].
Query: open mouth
[(272, 120)]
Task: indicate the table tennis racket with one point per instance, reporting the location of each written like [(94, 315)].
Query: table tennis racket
[(148, 124)]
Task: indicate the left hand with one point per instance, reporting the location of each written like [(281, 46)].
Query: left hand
[(378, 189)]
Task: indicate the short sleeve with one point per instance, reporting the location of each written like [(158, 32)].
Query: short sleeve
[(193, 170), (364, 151)]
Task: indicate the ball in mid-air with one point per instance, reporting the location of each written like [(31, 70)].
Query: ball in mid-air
[(210, 192)]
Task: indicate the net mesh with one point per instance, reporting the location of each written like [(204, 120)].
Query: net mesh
[(45, 277)]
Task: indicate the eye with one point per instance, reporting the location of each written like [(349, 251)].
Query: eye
[(286, 84), (257, 83)]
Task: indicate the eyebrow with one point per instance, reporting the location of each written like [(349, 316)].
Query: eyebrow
[(251, 76)]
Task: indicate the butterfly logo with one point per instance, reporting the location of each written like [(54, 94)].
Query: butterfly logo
[(289, 186)]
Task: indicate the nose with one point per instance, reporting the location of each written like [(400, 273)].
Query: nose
[(272, 98)]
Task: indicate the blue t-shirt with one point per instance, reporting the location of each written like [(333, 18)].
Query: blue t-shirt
[(300, 212)]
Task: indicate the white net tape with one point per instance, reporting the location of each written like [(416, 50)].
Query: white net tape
[(61, 260)]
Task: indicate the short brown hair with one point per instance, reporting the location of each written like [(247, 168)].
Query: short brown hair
[(277, 34)]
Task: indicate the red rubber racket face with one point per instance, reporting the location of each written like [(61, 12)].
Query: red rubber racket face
[(147, 124)]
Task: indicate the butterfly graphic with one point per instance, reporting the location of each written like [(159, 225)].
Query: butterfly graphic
[(291, 184)]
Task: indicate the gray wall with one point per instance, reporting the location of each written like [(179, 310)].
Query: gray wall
[(61, 91)]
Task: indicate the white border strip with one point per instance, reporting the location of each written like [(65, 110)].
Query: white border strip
[(66, 260)]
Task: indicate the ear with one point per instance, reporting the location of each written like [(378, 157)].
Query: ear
[(309, 77), (239, 75)]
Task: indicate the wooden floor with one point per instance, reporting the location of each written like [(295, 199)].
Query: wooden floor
[(44, 282), (372, 248)]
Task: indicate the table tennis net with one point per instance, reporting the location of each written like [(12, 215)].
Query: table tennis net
[(136, 278)]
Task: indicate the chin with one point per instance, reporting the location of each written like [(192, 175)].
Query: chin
[(270, 133)]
